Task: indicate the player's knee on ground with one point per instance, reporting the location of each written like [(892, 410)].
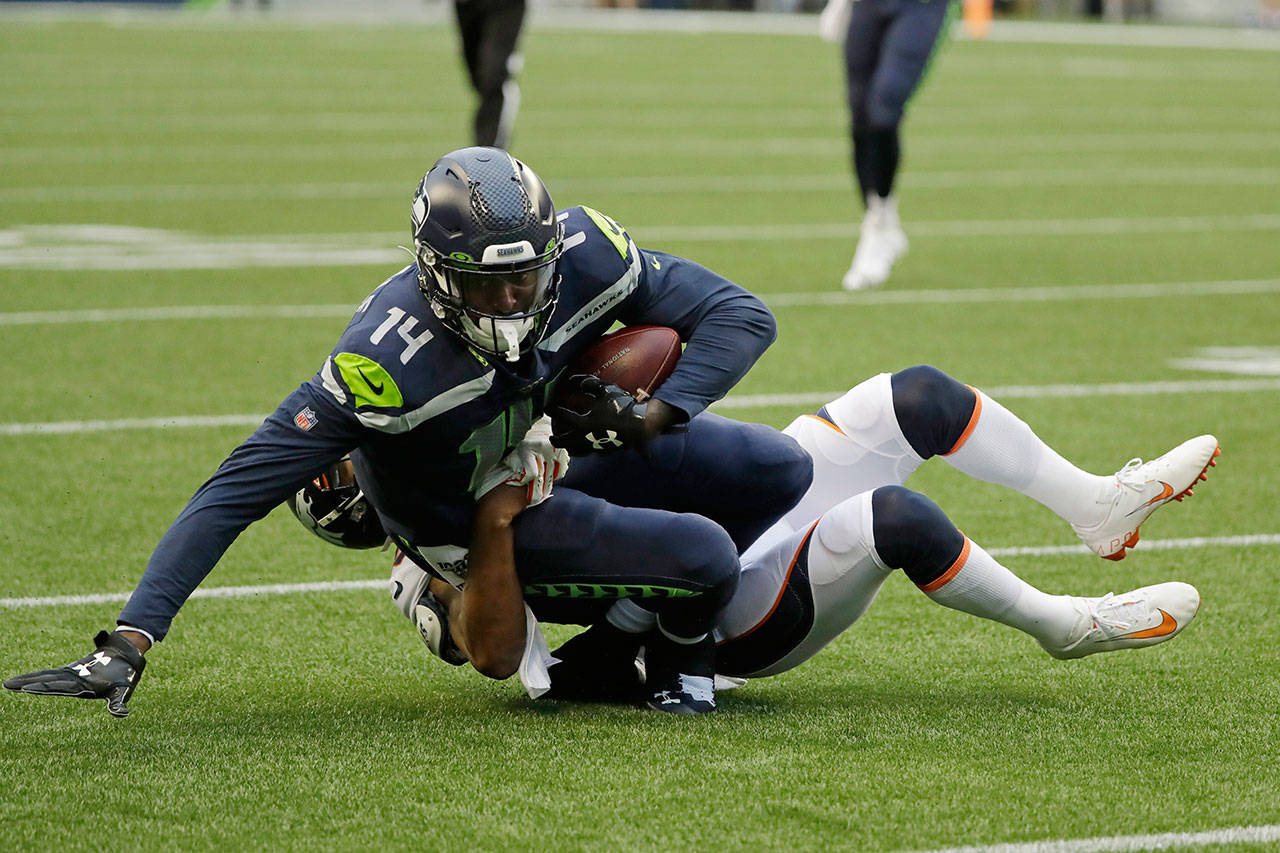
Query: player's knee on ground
[(933, 410), (912, 533)]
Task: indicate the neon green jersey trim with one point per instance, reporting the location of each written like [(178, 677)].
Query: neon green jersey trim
[(370, 384), (610, 229)]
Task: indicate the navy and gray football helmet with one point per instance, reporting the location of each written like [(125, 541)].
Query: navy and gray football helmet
[(333, 507), (486, 241)]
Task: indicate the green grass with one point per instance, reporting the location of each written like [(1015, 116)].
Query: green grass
[(317, 722)]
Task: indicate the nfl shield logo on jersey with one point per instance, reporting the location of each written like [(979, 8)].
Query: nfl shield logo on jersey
[(305, 419)]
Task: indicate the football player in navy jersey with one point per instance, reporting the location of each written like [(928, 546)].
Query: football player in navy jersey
[(442, 372)]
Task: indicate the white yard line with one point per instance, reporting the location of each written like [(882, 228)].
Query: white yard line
[(1009, 392), (1196, 175), (36, 247), (833, 143), (1160, 841), (209, 592), (173, 312), (1268, 539), (808, 399), (1055, 293)]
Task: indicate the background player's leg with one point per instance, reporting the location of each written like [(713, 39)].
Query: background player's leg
[(906, 45), (496, 62), (861, 53)]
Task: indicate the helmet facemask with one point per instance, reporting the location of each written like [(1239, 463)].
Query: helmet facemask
[(499, 308)]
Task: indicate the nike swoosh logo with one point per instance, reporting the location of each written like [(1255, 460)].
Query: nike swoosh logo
[(1167, 626), (1165, 494), (377, 389)]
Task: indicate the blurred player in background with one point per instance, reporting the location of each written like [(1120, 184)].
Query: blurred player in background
[(490, 31), (887, 47)]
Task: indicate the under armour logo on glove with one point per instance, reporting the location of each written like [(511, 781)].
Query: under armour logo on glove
[(611, 418), (605, 442), (110, 673)]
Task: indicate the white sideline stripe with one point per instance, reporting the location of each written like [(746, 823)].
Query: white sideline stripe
[(742, 401), (1228, 835), (343, 586), (211, 592), (1148, 290), (550, 19), (1009, 392)]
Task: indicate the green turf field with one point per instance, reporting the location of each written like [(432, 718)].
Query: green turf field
[(1080, 217)]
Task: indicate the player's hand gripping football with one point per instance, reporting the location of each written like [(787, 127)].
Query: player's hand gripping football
[(612, 419), (110, 672)]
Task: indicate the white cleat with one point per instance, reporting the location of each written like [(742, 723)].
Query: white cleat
[(1143, 487), (881, 242), (1135, 619)]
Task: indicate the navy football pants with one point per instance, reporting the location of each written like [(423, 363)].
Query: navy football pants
[(665, 530), (886, 52)]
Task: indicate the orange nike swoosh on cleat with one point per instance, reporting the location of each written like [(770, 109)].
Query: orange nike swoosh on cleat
[(1166, 627), (1164, 494)]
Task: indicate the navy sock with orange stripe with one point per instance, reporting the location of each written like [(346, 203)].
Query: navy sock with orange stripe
[(912, 533), (933, 410)]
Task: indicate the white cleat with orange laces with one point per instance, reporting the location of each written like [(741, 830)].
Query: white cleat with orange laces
[(1143, 487), (1135, 619)]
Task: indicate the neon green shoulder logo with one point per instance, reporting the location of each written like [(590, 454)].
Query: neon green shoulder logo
[(370, 384), (610, 229)]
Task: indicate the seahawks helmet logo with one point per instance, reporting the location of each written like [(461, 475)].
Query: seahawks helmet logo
[(421, 206)]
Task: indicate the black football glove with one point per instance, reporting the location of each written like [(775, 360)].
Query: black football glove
[(612, 421), (111, 672), (432, 620)]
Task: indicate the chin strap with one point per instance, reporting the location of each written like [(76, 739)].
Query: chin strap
[(512, 337)]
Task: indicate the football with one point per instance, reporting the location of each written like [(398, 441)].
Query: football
[(637, 359)]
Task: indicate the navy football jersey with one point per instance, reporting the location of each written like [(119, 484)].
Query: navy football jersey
[(427, 415)]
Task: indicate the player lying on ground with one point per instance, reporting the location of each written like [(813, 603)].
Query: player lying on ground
[(441, 372), (816, 571)]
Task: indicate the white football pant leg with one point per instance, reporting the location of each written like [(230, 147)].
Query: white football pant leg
[(844, 576), (861, 449)]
